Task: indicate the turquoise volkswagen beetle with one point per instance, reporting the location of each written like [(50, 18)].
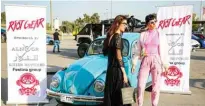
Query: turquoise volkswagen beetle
[(83, 82)]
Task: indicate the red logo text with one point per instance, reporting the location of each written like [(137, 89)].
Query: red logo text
[(174, 22), (25, 24)]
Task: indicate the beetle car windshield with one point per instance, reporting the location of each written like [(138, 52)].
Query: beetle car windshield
[(97, 46)]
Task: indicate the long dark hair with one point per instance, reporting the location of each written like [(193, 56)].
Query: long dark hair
[(112, 30)]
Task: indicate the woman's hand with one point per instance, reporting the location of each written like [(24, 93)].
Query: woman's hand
[(133, 67), (125, 78), (124, 75), (143, 53), (166, 68)]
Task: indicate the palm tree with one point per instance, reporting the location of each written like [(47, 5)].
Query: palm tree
[(86, 18), (3, 17), (95, 18), (195, 18)]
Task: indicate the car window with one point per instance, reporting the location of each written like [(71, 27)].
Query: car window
[(200, 36), (125, 50), (195, 37), (86, 30), (97, 46)]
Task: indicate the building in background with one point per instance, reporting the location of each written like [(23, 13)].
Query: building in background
[(57, 24)]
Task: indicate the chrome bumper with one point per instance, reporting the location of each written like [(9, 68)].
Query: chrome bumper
[(75, 98)]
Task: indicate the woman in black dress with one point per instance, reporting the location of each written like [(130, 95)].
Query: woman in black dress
[(116, 76)]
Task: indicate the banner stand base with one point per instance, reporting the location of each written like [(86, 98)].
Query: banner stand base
[(176, 92), (23, 103)]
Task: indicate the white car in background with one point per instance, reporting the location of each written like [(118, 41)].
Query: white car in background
[(194, 45)]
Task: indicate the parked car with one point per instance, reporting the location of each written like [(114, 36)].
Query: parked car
[(194, 45), (197, 32), (201, 41), (49, 40), (200, 35), (83, 82), (3, 35)]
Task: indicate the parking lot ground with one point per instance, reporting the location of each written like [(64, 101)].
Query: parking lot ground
[(68, 55)]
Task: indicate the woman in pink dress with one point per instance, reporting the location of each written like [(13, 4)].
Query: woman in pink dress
[(149, 47)]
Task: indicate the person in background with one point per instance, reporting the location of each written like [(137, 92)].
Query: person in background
[(131, 23), (152, 51), (56, 41)]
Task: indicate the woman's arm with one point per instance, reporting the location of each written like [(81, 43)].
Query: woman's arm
[(163, 51), (118, 45)]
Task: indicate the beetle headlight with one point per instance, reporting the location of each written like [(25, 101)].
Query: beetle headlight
[(55, 82), (99, 86)]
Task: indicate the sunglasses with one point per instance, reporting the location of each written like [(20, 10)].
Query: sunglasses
[(124, 23), (153, 22)]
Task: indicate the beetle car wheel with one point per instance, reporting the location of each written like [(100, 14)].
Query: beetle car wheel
[(82, 49), (51, 43)]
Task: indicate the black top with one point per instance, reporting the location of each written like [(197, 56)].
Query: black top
[(114, 51), (55, 36), (114, 77)]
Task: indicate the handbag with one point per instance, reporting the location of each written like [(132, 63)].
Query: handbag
[(128, 94)]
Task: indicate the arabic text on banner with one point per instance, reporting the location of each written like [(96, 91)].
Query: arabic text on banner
[(26, 49)]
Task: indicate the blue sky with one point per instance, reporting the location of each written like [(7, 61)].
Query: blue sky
[(70, 10)]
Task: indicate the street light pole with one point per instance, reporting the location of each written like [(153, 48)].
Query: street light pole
[(107, 13), (200, 11), (51, 19), (111, 9)]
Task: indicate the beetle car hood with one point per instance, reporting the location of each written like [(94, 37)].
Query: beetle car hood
[(81, 74)]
